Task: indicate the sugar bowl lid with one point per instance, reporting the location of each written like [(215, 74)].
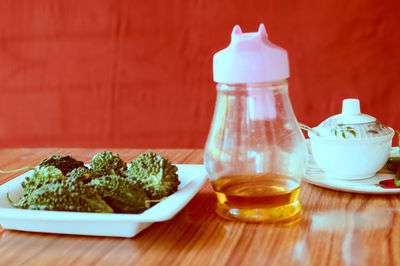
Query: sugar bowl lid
[(352, 124)]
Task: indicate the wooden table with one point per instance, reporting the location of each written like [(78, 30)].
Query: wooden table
[(336, 229)]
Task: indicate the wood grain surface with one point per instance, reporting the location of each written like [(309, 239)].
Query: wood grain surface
[(336, 229)]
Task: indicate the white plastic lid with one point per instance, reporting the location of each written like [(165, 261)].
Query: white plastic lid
[(250, 58)]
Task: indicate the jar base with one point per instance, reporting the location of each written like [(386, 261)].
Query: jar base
[(283, 215)]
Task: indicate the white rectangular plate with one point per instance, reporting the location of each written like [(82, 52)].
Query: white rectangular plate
[(192, 177)]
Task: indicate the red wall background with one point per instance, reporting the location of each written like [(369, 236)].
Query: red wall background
[(107, 73)]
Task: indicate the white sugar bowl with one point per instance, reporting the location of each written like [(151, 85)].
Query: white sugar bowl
[(351, 145)]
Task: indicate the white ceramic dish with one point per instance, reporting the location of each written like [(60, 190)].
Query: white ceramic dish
[(351, 145), (192, 177), (318, 177), (351, 159)]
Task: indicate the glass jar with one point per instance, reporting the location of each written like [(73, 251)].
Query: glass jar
[(255, 154)]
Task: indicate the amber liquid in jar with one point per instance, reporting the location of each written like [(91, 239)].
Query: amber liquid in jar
[(261, 197)]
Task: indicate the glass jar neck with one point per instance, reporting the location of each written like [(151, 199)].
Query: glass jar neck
[(259, 85)]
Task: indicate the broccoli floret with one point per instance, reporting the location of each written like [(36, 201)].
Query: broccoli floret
[(121, 193), (65, 163), (42, 175), (155, 174), (107, 163), (69, 194)]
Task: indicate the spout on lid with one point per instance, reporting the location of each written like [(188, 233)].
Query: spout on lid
[(262, 31), (236, 31)]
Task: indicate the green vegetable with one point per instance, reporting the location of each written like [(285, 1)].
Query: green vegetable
[(155, 174), (83, 174), (107, 163), (394, 165), (65, 163), (396, 181), (62, 194), (121, 193), (61, 183), (42, 175), (398, 133)]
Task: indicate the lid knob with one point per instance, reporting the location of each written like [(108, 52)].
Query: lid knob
[(351, 113), (351, 107)]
